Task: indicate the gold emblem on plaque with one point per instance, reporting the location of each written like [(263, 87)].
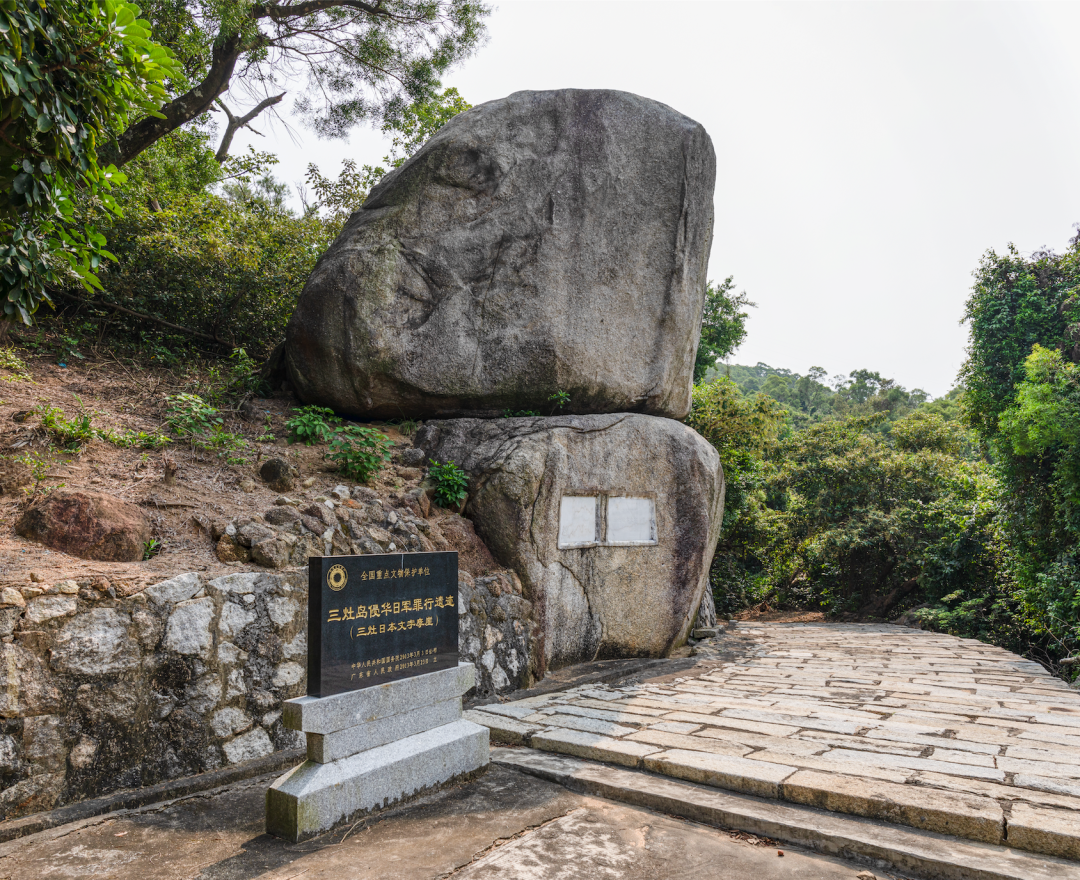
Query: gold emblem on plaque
[(337, 577)]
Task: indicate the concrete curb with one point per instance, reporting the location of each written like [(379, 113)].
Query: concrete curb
[(899, 848), (140, 797)]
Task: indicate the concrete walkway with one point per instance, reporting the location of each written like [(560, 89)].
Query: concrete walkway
[(946, 735), (505, 825)]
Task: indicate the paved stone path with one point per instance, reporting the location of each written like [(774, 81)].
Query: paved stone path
[(943, 734)]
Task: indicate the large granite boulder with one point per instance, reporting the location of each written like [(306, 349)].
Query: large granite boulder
[(91, 525), (610, 521), (544, 242)]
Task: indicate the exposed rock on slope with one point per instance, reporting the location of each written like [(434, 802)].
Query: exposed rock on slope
[(92, 525), (609, 520), (544, 242)]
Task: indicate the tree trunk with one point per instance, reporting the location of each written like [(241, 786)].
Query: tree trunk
[(183, 109)]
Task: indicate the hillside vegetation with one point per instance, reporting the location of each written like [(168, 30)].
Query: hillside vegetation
[(865, 500)]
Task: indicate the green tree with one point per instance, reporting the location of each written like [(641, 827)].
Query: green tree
[(71, 73), (1022, 399), (207, 251), (359, 61), (723, 324), (744, 430)]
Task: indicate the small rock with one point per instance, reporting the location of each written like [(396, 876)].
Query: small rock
[(96, 642), (31, 592), (308, 483), (278, 474), (273, 552), (865, 875), (261, 699), (13, 476), (11, 596), (419, 502), (251, 745), (288, 674), (340, 492), (408, 473), (230, 529), (281, 516), (103, 585), (82, 756), (248, 485), (188, 630), (48, 607), (412, 457), (283, 500), (70, 588), (252, 532), (36, 578), (9, 756), (229, 551), (228, 721)]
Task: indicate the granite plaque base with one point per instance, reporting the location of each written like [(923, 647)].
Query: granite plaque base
[(371, 748)]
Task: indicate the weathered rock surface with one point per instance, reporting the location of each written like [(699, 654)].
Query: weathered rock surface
[(544, 242), (91, 525), (604, 597)]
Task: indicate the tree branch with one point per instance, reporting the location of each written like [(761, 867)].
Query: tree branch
[(280, 12), (186, 107), (142, 316), (238, 122)]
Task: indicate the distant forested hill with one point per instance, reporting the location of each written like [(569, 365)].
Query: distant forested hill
[(811, 398)]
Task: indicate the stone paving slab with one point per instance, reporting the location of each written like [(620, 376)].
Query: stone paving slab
[(944, 734), (908, 852)]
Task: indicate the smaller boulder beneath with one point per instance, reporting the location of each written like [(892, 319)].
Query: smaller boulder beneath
[(91, 525), (278, 474)]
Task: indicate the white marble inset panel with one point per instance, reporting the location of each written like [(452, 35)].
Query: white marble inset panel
[(577, 521), (631, 521)]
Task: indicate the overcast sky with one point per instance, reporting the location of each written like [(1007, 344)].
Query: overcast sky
[(867, 153)]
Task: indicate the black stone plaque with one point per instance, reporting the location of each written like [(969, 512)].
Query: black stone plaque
[(374, 619)]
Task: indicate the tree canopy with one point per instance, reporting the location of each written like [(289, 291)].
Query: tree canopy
[(86, 88), (359, 61), (70, 74), (723, 324)]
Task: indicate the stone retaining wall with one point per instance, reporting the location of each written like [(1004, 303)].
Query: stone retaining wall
[(100, 692)]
